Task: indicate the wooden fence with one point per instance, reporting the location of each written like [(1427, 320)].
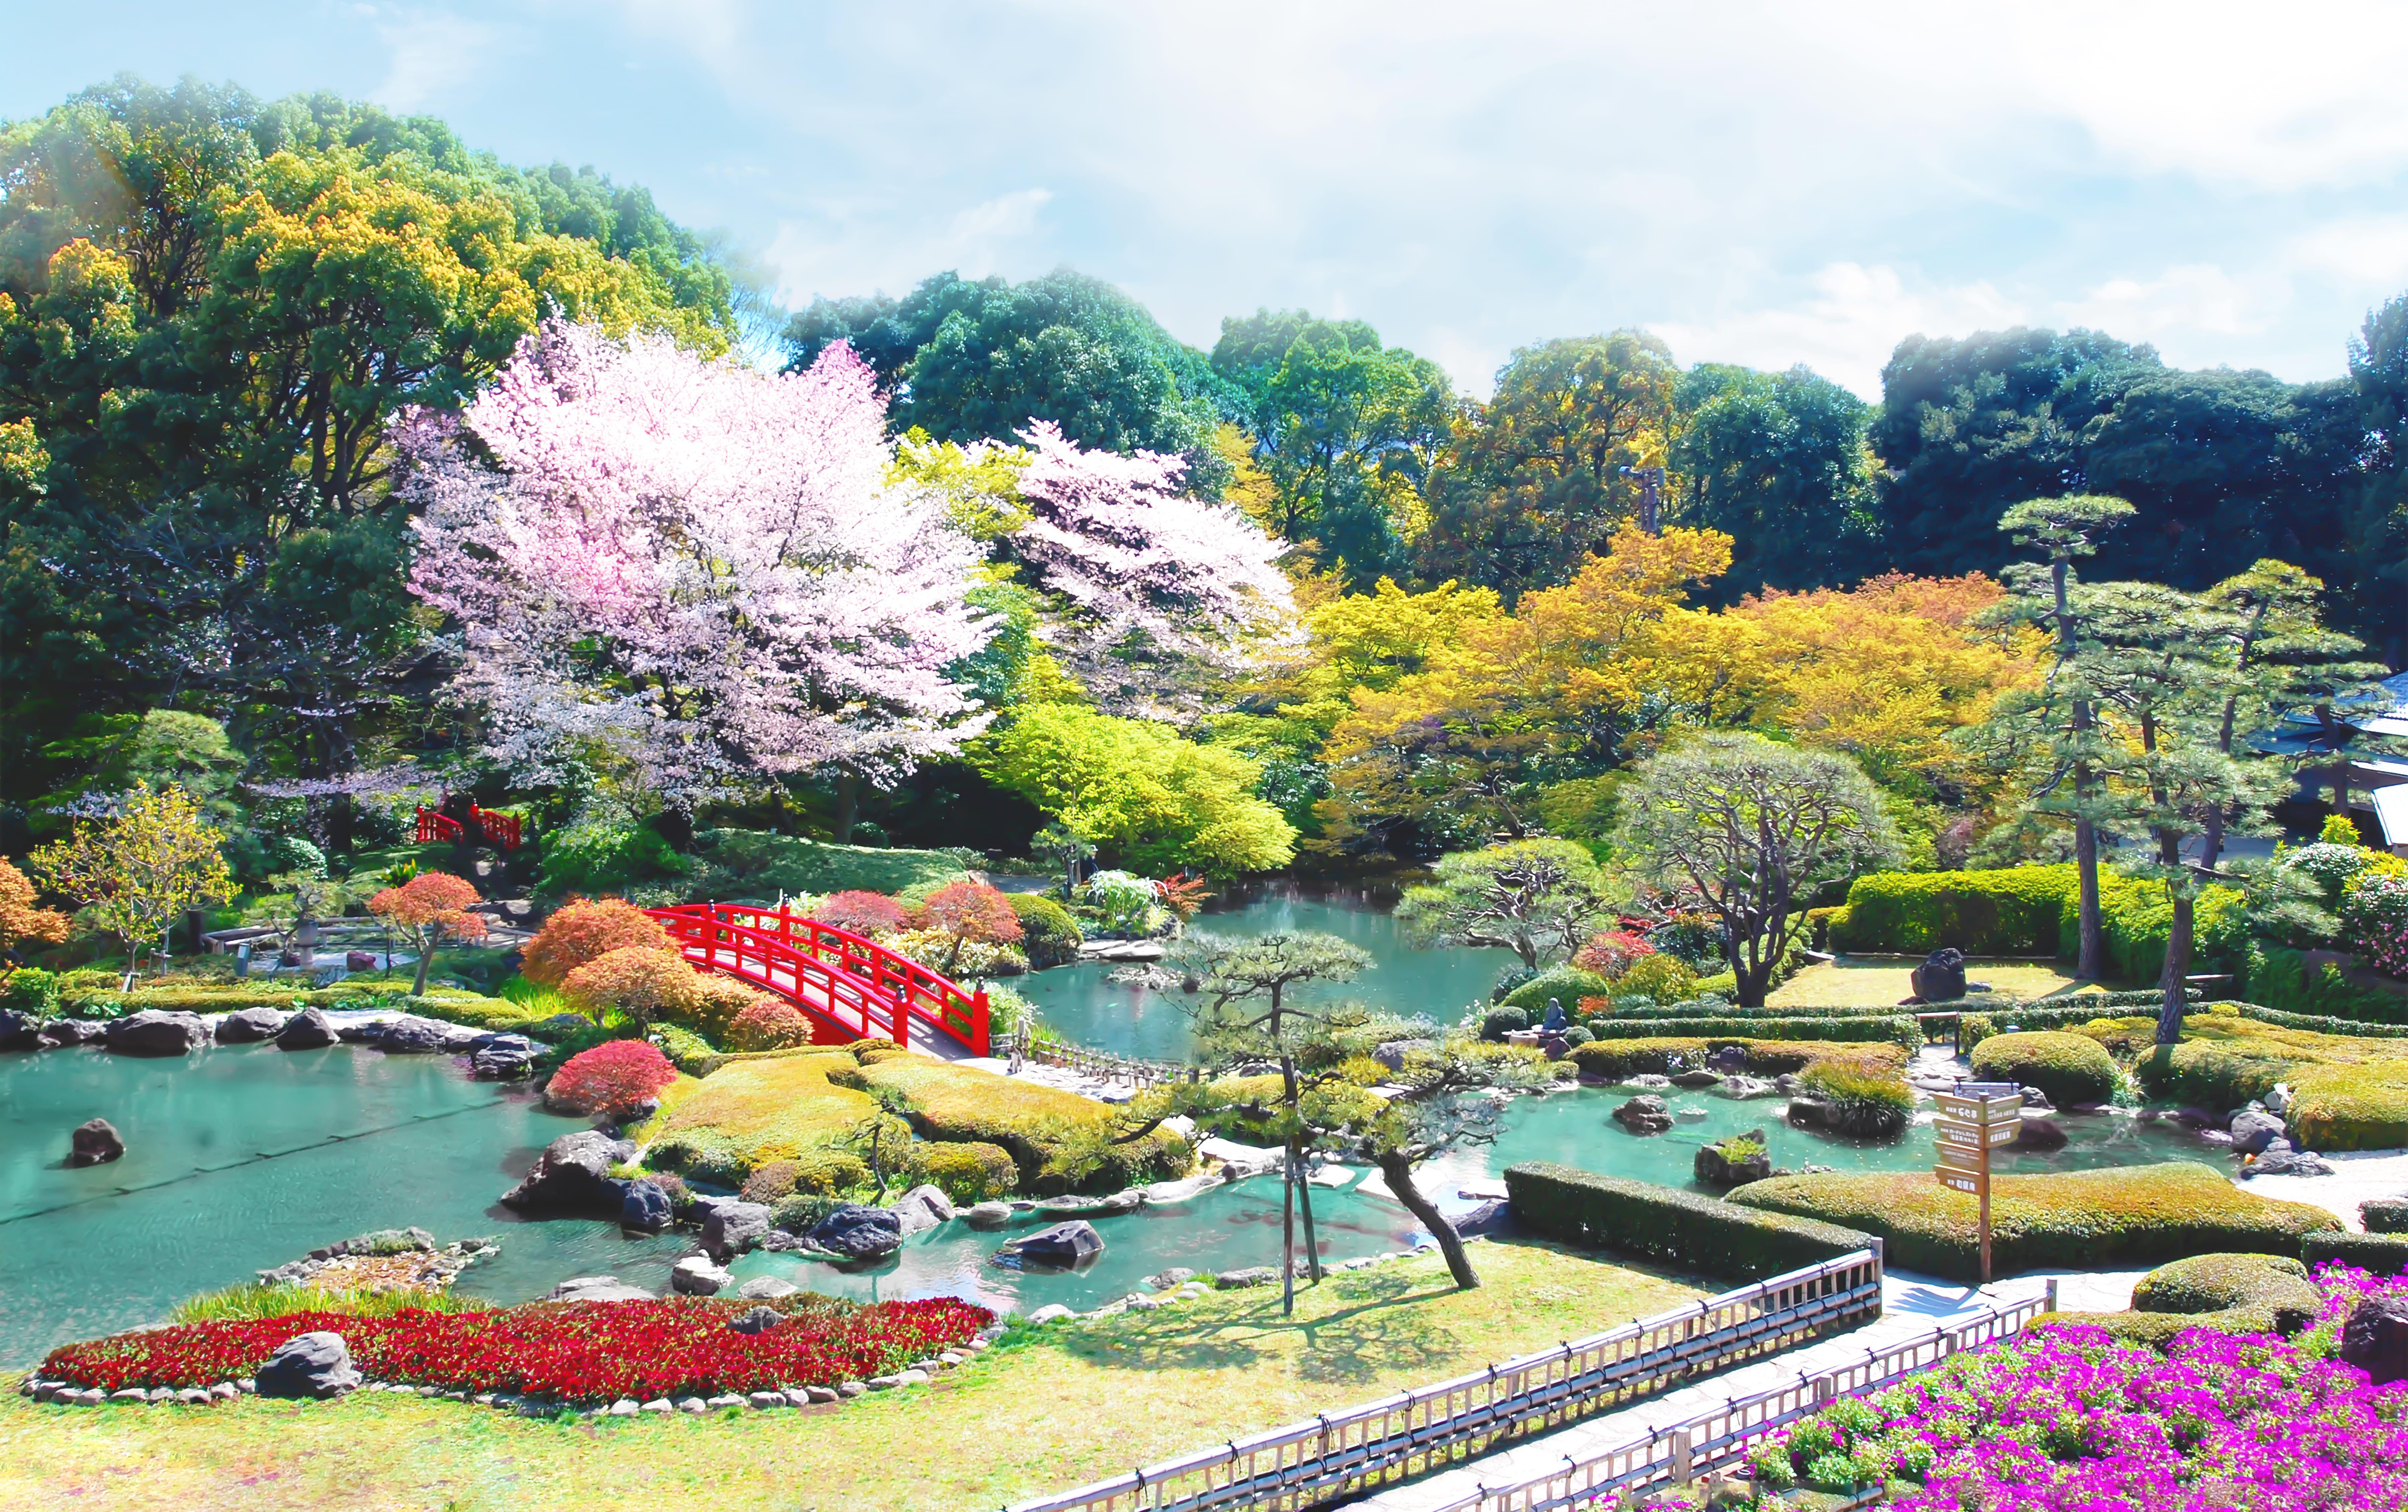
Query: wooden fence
[(1727, 1435), (1107, 1068), (1350, 1451)]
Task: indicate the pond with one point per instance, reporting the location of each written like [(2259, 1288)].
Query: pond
[(243, 1158)]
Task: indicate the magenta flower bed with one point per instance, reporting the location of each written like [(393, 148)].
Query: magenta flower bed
[(2065, 1419), (577, 1351)]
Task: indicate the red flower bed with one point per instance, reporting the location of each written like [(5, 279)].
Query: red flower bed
[(577, 1351)]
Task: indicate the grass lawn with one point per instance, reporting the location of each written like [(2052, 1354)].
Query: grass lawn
[(1853, 983), (1046, 1410)]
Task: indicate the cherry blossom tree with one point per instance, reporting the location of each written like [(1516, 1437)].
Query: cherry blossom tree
[(698, 570), (1140, 565)]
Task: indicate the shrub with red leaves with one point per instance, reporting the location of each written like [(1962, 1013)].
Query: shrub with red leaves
[(770, 1023), (585, 930), (1181, 894), (641, 983), (864, 914), (611, 1078), (575, 1351), (968, 912), (1610, 952)]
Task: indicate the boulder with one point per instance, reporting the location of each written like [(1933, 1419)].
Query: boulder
[(2034, 1098), (1735, 1162), (2280, 1159), (311, 1366), (1650, 1080), (922, 1208), (1061, 1246), (56, 1032), (2254, 1129), (573, 1173), (733, 1228), (645, 1208), (757, 1320), (858, 1233), (598, 1288), (1695, 1081), (249, 1026), (497, 1064), (988, 1215), (1740, 1089), (697, 1276), (1941, 978), (359, 961), (1489, 1217), (1646, 1115), (2375, 1339), (1391, 1053), (414, 1037), (95, 1143), (1253, 1275), (765, 1289), (156, 1033), (1728, 1060), (19, 1032), (308, 1029), (2040, 1134), (1178, 1276)]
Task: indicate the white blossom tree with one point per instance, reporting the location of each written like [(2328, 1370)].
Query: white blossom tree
[(705, 571)]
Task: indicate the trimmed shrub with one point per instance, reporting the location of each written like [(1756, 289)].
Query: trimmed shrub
[(1498, 1022), (2361, 1107), (958, 958), (812, 1173), (1892, 1028), (1566, 984), (611, 1077), (1049, 935), (1664, 1223), (2010, 913), (751, 1111), (2072, 1068), (769, 1024), (687, 1051), (1059, 1141), (2384, 1254), (2071, 1221), (719, 1001), (583, 931), (1666, 978), (1616, 1059), (2374, 916), (972, 1172), (30, 990), (2227, 1293), (640, 982)]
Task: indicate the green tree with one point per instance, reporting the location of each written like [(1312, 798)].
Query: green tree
[(1346, 430), (1777, 461), (973, 360), (1533, 480), (1538, 898), (1750, 829), (138, 868), (2375, 517)]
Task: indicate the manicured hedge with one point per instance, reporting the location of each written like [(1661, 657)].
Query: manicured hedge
[(2227, 1293), (2384, 1254), (1570, 984), (2361, 1107), (1894, 1029), (2007, 913), (1614, 1060), (1049, 935), (2073, 1220), (1663, 1223), (2070, 1069)]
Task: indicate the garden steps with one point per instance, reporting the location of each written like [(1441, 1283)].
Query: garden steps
[(1911, 1305)]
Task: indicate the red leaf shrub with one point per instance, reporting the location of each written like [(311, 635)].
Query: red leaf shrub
[(638, 981), (1610, 952), (611, 1078), (585, 930), (860, 913), (969, 911), (576, 1352), (769, 1024)]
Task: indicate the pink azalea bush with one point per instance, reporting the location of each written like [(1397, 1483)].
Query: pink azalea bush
[(2065, 1418)]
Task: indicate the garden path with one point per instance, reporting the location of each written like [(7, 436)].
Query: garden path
[(1911, 1305)]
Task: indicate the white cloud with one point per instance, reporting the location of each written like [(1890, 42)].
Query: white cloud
[(2197, 299), (431, 56), (846, 255), (1846, 327)]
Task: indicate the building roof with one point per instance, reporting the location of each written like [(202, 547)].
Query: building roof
[(2391, 814)]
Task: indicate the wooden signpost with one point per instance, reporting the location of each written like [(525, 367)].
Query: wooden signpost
[(1974, 1119)]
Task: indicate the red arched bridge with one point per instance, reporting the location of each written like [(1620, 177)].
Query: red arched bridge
[(850, 988)]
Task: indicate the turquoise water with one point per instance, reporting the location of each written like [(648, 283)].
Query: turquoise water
[(243, 1158), (1091, 1009)]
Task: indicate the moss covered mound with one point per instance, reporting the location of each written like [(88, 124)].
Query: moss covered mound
[(2229, 1293), (1059, 1141), (1614, 1060), (2350, 1107), (758, 863), (1567, 985), (2350, 1093), (2072, 1069), (757, 1109), (2080, 1219)]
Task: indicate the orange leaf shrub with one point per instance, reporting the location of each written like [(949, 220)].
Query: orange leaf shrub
[(642, 983), (20, 921), (1610, 952), (585, 930), (860, 913), (719, 1001), (613, 1077), (769, 1024)]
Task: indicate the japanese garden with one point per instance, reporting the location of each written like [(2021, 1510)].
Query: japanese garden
[(617, 894)]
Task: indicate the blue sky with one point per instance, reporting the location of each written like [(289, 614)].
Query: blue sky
[(1766, 184)]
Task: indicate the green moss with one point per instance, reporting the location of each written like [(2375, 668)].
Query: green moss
[(1058, 1140), (2072, 1068), (2081, 1219), (968, 1172), (1614, 1060), (752, 1112), (759, 864), (1866, 1097)]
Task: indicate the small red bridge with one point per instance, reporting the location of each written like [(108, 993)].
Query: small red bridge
[(436, 827), (850, 988)]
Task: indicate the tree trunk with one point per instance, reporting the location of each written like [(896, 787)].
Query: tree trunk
[(1398, 1171), (2178, 943), (1287, 1241), (2090, 964), (848, 804), (1304, 1204), (425, 959)]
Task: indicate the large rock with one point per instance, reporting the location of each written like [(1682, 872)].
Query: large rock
[(1490, 1218), (502, 1063), (1941, 978), (1646, 1115), (308, 1029), (858, 1233), (573, 1174), (312, 1365), (19, 1032), (95, 1142), (156, 1033), (414, 1037), (2375, 1339), (1061, 1246), (57, 1032), (767, 1288), (1696, 1081), (598, 1288), (2254, 1129), (733, 1228), (695, 1277), (1391, 1053), (2040, 1134), (921, 1209), (1735, 1162), (249, 1026), (646, 1207), (988, 1214)]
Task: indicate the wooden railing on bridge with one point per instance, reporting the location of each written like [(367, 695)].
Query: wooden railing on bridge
[(872, 991), (1351, 1452)]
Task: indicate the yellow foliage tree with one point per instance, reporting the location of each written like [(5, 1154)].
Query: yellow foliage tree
[(139, 869)]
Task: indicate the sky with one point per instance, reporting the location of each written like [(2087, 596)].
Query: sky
[(1763, 184)]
